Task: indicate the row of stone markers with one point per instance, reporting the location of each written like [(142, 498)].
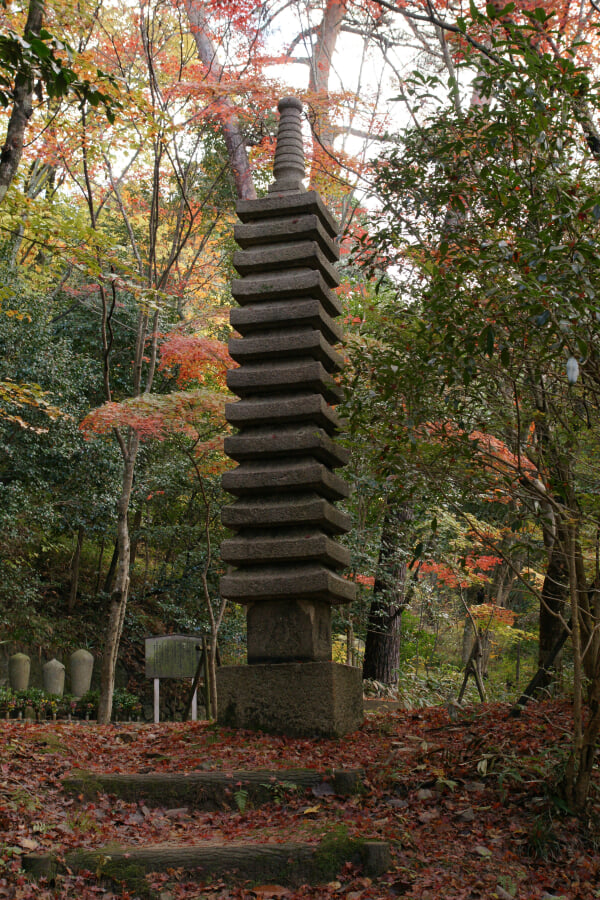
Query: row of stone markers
[(81, 666)]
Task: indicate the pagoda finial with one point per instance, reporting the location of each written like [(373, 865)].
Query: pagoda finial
[(288, 166)]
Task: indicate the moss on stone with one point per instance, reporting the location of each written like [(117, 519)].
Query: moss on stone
[(83, 782), (336, 849)]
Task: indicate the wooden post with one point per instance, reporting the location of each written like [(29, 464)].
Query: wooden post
[(349, 644), (156, 700), (206, 677), (194, 704)]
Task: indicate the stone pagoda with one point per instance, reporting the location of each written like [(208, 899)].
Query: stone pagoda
[(284, 561)]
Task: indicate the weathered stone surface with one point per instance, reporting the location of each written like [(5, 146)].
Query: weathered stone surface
[(278, 477), (275, 257), (288, 164), (289, 631), (308, 581), (308, 699), (287, 441), (282, 410), (278, 230), (283, 285), (81, 666), (289, 863), (306, 509), (286, 344), (303, 375), (299, 312), (285, 445), (209, 790), (292, 205), (292, 545), (53, 674), (19, 667)]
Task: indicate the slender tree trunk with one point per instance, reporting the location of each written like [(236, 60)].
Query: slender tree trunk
[(555, 592), (118, 599), (112, 570), (225, 111), (75, 569), (99, 567), (382, 646), (136, 526), (22, 110), (323, 131)]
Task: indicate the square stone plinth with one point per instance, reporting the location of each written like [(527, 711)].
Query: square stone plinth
[(308, 699)]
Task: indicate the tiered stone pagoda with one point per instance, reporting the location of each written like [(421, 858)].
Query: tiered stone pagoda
[(284, 560)]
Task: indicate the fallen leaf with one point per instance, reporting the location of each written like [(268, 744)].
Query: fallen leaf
[(28, 843), (271, 891)]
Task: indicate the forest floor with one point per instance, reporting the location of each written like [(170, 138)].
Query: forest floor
[(467, 806)]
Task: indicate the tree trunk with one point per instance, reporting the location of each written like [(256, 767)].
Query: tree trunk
[(225, 111), (22, 110), (382, 646), (320, 69), (112, 570), (118, 600), (136, 526), (75, 570), (555, 592)]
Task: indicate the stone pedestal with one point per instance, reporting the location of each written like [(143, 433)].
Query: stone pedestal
[(19, 667), (284, 560), (307, 699)]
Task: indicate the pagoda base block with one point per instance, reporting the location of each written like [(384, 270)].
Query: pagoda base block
[(310, 699)]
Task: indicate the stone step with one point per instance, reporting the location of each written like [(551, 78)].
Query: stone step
[(211, 790), (280, 230), (304, 509), (286, 344), (308, 581), (282, 206), (292, 863), (287, 441), (278, 477), (282, 411), (267, 378), (282, 257), (286, 285), (299, 312), (285, 547)]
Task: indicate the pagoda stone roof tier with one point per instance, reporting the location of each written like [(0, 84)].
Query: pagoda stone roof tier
[(286, 205), (288, 441), (280, 410), (291, 510), (279, 377), (271, 231), (283, 285), (308, 581), (279, 476), (278, 257), (299, 313), (297, 545), (286, 343)]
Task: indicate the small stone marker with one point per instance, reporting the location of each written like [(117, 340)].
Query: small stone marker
[(19, 667), (285, 553), (81, 668), (53, 674)]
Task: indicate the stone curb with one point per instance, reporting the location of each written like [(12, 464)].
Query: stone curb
[(286, 863), (212, 790)]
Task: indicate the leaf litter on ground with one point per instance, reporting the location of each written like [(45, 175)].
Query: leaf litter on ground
[(467, 808)]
